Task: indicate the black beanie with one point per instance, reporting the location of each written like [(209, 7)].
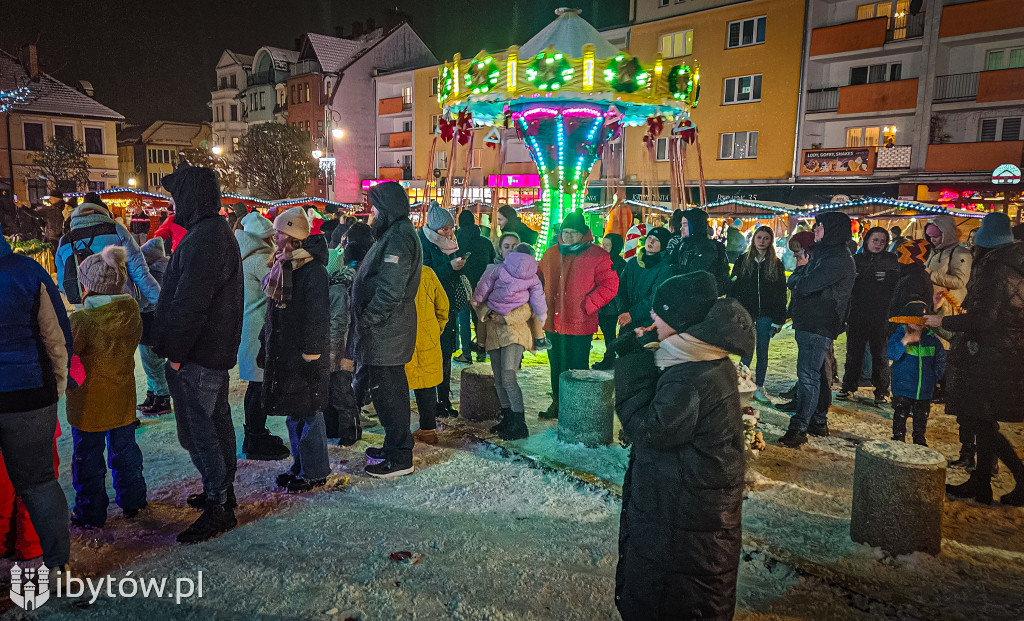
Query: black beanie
[(684, 301), (663, 236), (576, 222)]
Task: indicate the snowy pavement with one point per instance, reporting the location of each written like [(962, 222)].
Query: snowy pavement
[(493, 536)]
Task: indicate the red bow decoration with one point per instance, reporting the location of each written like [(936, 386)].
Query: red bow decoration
[(614, 130), (464, 126), (447, 127), (685, 130), (654, 126)]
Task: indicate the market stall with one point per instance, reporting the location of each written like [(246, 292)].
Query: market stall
[(781, 217), (910, 216)]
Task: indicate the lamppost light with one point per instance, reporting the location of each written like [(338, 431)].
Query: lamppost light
[(217, 149), (338, 133), (317, 153), (131, 182)]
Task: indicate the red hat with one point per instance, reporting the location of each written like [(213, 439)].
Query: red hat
[(803, 240)]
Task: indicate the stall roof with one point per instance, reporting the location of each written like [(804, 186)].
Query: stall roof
[(229, 198), (729, 207), (630, 202), (889, 208)]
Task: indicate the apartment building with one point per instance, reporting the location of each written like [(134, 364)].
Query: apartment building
[(147, 154), (227, 109)]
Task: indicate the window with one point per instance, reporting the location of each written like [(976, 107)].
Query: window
[(167, 156), (870, 74), (263, 105), (320, 128), (478, 156), (234, 112), (875, 9), (661, 150), (234, 143), (440, 159), (433, 86), (407, 95), (743, 89), (1004, 59), (738, 146), (223, 81), (151, 155), (93, 140), (407, 126), (97, 186), (407, 161), (36, 190), (862, 136), (1005, 128), (662, 2), (307, 91), (234, 81), (746, 32), (154, 180), (435, 121), (330, 88), (307, 127), (676, 44), (293, 94), (33, 136), (64, 131)]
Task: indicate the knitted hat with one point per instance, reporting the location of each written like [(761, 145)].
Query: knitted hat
[(912, 251), (524, 248), (255, 224), (662, 234), (293, 223), (737, 223), (334, 260), (913, 312), (438, 217), (576, 222), (153, 250), (995, 231), (804, 240), (106, 272), (684, 301)]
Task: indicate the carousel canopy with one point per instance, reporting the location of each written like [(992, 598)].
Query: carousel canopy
[(568, 34)]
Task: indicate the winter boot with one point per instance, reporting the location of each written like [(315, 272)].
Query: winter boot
[(606, 364), (148, 402), (899, 426), (445, 410), (551, 413), (818, 430), (426, 436), (159, 406), (966, 459), (506, 413), (761, 396), (284, 479), (198, 501), (978, 487), (263, 446), (844, 395), (131, 514), (920, 423), (1014, 498), (789, 406), (298, 485), (516, 429), (793, 438), (789, 394), (216, 519)]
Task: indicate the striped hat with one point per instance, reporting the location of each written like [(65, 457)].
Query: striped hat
[(912, 251)]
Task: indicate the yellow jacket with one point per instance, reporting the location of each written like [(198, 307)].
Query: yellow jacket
[(425, 370)]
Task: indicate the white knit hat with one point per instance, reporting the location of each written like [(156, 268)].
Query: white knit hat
[(255, 224), (293, 223)]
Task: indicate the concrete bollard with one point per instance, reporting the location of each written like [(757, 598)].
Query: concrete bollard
[(898, 490), (586, 407), (478, 401)]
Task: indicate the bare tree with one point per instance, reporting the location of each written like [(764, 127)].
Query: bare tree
[(64, 164), (226, 171), (275, 160)]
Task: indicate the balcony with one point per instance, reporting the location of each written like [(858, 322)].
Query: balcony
[(255, 79), (858, 35), (303, 67), (1001, 85), (972, 156), (395, 140), (396, 173), (956, 87), (906, 27), (980, 17), (393, 105), (878, 97), (823, 99)]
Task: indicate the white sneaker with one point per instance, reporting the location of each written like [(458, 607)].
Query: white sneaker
[(761, 396)]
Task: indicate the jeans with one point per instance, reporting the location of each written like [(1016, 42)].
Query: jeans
[(449, 338), (389, 388), (26, 440), (505, 365), (200, 397), (308, 440), (255, 417), (813, 389), (341, 418), (426, 406), (89, 473), (765, 332), (609, 324), (465, 332), (156, 376), (568, 351), (876, 339)]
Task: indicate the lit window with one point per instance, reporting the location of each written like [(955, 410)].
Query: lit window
[(738, 146), (746, 32), (676, 44)]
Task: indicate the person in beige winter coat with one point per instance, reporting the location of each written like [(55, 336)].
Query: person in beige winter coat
[(949, 265)]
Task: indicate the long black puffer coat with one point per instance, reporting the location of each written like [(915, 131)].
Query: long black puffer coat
[(877, 274), (291, 385), (761, 292), (682, 499), (822, 288)]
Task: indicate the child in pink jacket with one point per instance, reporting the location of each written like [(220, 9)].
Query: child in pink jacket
[(509, 285)]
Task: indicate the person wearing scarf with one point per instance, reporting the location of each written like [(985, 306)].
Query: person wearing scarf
[(683, 492), (638, 281), (294, 339)]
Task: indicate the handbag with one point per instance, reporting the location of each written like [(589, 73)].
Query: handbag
[(459, 293)]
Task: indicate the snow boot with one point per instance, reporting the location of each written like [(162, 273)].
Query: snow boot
[(445, 410), (516, 429), (134, 513), (1014, 498), (503, 422), (148, 402), (426, 436), (159, 406), (216, 519), (298, 485), (789, 394), (551, 413), (284, 479), (198, 501), (264, 446), (793, 438), (978, 487), (844, 395), (818, 430), (789, 406), (966, 459)]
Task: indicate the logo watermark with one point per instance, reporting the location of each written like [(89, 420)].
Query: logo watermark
[(33, 587)]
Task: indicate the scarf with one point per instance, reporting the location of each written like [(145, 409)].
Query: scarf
[(447, 245), (278, 283), (645, 260), (682, 348)]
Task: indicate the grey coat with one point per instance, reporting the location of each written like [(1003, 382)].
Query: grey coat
[(256, 253)]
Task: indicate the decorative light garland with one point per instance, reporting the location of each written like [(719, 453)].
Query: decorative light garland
[(14, 97), (549, 72), (625, 74), (889, 202), (754, 205), (482, 75)]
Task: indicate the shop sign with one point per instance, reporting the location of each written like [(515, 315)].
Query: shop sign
[(513, 181), (854, 161), (1006, 174)]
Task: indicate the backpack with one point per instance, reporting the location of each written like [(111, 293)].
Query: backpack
[(80, 241)]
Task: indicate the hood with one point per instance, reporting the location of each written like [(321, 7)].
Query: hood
[(316, 245), (837, 228), (521, 265), (153, 250), (391, 202), (617, 243), (90, 209), (249, 244), (698, 221), (467, 231), (196, 194), (1011, 256), (727, 325), (946, 224), (872, 231), (5, 248)]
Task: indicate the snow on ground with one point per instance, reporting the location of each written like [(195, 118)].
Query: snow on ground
[(496, 536)]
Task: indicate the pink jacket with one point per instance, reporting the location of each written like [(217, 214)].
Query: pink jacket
[(509, 285)]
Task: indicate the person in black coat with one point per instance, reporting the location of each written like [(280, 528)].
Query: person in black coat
[(384, 308), (699, 253), (682, 498), (877, 274), (479, 253), (639, 280), (295, 344), (822, 285), (608, 315), (198, 326), (759, 284), (509, 222)]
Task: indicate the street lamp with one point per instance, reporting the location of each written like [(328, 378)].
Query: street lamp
[(338, 133), (217, 149), (131, 182), (317, 154)]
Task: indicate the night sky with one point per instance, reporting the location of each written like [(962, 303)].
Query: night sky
[(155, 60)]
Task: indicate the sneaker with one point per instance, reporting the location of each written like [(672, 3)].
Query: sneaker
[(159, 406), (198, 501), (375, 452), (133, 513), (818, 430), (215, 519), (551, 413), (148, 402), (481, 356), (464, 358), (789, 406), (541, 344), (285, 479), (793, 438), (298, 485), (388, 469), (426, 436), (446, 411), (844, 395), (264, 447), (761, 396)]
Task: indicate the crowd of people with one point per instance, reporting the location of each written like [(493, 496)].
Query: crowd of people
[(325, 316)]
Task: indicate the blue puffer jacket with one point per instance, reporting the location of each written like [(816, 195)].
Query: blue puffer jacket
[(145, 289), (916, 368), (35, 335)]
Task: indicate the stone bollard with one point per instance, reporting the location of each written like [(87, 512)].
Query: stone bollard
[(478, 400), (898, 490), (586, 407)]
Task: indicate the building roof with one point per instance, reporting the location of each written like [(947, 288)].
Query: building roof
[(243, 59), (282, 58), (49, 95), (335, 53), (129, 133), (171, 132), (568, 34)]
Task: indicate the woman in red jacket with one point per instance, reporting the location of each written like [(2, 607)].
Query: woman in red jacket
[(578, 280)]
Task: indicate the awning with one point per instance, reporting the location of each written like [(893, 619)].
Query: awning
[(888, 208)]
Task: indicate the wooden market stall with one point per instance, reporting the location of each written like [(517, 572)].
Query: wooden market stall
[(910, 216), (781, 217)]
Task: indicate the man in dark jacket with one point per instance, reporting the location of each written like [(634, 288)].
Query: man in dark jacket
[(698, 252), (509, 222), (820, 306), (682, 498), (198, 330), (384, 307), (479, 253), (608, 316)]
